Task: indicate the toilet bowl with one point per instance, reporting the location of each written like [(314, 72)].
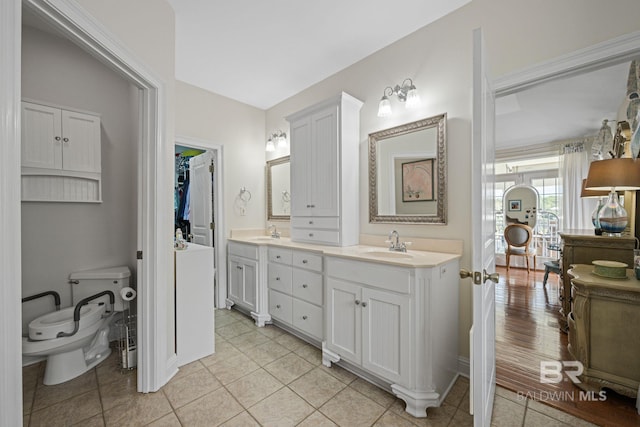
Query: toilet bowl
[(71, 349)]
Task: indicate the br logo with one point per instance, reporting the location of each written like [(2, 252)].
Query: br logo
[(551, 371)]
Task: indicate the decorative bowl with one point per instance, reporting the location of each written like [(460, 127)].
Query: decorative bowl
[(610, 269)]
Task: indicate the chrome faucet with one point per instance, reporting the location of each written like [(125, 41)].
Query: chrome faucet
[(396, 245), (274, 232)]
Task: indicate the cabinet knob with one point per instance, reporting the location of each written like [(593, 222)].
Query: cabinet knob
[(313, 206), (277, 278), (65, 139), (357, 302), (310, 234), (277, 256), (278, 306), (239, 267), (304, 317), (304, 261), (364, 304), (308, 206), (310, 222), (304, 285), (57, 138)]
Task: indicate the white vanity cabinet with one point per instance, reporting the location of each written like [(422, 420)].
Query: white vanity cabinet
[(60, 152), (398, 325), (296, 290), (324, 172), (246, 271)]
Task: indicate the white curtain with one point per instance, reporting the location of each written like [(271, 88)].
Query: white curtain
[(574, 166)]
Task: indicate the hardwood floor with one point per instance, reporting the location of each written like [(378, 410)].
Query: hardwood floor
[(527, 333)]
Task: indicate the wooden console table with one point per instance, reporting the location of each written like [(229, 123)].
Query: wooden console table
[(582, 247), (603, 330)]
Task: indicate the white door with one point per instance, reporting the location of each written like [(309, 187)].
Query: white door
[(483, 351), (200, 199)]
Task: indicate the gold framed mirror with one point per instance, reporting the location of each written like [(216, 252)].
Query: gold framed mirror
[(278, 189), (408, 173)]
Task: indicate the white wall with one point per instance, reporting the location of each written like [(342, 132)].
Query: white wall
[(438, 59), (59, 238)]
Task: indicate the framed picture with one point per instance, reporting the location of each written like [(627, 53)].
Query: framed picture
[(417, 181), (515, 205)]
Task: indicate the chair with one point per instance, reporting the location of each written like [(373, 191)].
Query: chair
[(518, 238)]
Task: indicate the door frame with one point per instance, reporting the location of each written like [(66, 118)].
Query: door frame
[(219, 236), (156, 363)]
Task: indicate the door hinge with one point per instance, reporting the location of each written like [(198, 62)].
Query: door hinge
[(139, 255), (212, 225), (211, 168)]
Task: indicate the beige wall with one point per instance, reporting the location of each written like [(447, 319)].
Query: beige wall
[(438, 58), (239, 129), (59, 238)]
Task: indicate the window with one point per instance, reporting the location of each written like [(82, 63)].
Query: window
[(542, 174)]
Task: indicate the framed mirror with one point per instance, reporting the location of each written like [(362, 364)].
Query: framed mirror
[(278, 189), (408, 173)]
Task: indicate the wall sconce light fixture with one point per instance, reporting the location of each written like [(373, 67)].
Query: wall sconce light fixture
[(406, 93), (278, 138)]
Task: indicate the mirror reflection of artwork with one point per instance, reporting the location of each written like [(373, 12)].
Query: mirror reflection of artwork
[(417, 181)]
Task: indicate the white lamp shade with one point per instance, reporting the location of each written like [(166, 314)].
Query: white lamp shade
[(270, 145), (384, 108), (282, 141), (413, 99)]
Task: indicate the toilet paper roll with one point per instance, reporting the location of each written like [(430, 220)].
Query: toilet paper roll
[(128, 293)]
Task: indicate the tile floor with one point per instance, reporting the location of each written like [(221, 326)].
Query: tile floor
[(257, 377)]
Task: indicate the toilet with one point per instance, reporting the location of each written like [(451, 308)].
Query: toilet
[(70, 356)]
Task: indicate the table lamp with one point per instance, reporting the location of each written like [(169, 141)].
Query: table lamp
[(602, 198), (619, 174)]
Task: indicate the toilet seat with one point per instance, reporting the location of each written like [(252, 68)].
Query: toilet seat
[(48, 326)]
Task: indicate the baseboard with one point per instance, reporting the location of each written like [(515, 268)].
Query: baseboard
[(464, 366)]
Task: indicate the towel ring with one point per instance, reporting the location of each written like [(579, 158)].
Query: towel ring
[(245, 195)]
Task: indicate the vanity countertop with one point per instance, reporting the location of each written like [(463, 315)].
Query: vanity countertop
[(379, 254)]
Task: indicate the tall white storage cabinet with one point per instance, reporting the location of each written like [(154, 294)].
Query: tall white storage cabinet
[(324, 172), (60, 151), (194, 303)]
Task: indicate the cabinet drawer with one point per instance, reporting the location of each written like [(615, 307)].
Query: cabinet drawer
[(308, 318), (280, 306), (283, 256), (246, 251), (307, 260), (328, 223), (307, 285), (280, 277), (396, 279), (311, 235)]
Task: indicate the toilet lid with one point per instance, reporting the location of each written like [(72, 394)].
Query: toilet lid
[(48, 326)]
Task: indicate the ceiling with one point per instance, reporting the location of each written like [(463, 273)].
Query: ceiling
[(263, 52), (561, 109)]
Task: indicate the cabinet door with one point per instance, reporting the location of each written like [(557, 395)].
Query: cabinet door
[(385, 334), (41, 145), (250, 284), (344, 319), (235, 279), (80, 142), (300, 167), (324, 163)]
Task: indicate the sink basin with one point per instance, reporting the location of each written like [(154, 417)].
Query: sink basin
[(261, 238), (389, 254)]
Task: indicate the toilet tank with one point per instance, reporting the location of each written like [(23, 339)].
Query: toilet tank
[(90, 282)]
